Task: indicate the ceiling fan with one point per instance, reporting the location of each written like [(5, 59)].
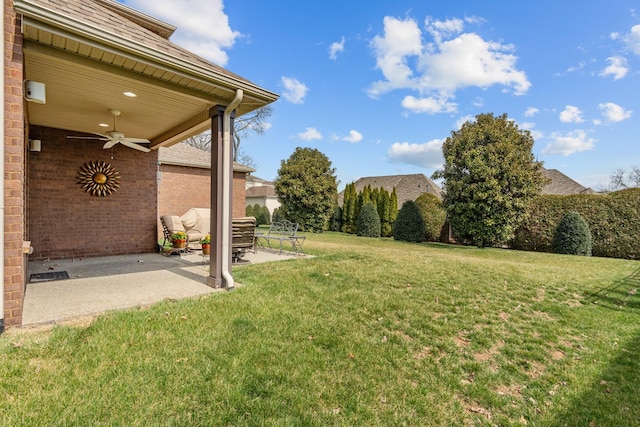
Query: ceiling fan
[(113, 137)]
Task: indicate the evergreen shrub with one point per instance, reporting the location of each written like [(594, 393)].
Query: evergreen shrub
[(572, 236), (335, 223), (433, 215), (368, 221), (409, 225), (277, 215)]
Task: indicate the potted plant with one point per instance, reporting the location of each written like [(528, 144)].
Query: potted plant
[(179, 239), (206, 244)]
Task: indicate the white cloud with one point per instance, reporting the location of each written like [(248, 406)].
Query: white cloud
[(632, 39), (436, 70), (428, 105), (571, 114), (613, 112), (535, 134), (204, 31), (310, 134), (427, 155), (294, 91), (462, 120), (531, 111), (617, 68), (569, 143), (335, 48), (354, 137)]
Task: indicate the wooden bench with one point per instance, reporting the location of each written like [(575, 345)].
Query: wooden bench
[(242, 236), (282, 231)]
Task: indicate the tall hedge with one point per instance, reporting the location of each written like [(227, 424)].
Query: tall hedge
[(613, 219)]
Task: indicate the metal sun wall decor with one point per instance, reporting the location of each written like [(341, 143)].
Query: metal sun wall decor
[(99, 178)]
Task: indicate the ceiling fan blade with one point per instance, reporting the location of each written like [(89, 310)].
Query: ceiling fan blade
[(97, 137), (137, 140), (130, 144), (110, 143), (90, 138)]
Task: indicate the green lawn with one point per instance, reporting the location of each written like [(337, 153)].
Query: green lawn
[(370, 332)]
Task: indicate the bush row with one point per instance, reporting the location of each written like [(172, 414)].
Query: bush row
[(613, 219)]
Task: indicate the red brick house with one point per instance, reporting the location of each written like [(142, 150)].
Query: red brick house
[(67, 63), (184, 181)]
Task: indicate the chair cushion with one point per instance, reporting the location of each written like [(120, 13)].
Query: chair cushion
[(173, 223)]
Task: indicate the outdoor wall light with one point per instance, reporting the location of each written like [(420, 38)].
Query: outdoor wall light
[(35, 145)]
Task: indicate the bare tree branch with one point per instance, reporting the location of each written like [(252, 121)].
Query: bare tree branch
[(254, 121), (620, 179), (201, 141)]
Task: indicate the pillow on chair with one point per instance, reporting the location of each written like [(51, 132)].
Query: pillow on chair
[(173, 223)]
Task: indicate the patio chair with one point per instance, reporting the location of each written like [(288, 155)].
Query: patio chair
[(243, 237), (170, 225)]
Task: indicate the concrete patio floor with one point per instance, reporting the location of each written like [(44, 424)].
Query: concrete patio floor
[(98, 285)]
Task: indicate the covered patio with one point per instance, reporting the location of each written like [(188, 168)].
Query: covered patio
[(101, 284), (71, 64)]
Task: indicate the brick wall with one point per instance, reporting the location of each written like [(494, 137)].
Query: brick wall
[(14, 149), (239, 198), (182, 188), (65, 221)]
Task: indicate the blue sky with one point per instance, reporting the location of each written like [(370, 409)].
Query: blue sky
[(378, 85)]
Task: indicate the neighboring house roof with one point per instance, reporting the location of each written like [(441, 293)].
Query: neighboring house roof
[(563, 185), (185, 155), (408, 187), (253, 180), (261, 191)]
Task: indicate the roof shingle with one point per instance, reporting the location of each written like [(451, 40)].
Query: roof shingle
[(185, 155), (408, 187)]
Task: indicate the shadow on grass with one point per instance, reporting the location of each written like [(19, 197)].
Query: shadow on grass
[(613, 398), (623, 295)]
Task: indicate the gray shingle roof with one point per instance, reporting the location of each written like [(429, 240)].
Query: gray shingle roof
[(408, 187), (261, 191), (185, 155), (563, 185)]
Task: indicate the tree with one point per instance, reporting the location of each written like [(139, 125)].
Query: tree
[(368, 221), (335, 224), (254, 121), (384, 212), (409, 226), (620, 179), (266, 215), (349, 209), (201, 141), (433, 215), (490, 176), (307, 188), (277, 215)]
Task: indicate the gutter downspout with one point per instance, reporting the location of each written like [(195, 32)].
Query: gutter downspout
[(227, 184), (2, 174)]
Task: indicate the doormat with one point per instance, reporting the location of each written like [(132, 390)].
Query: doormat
[(48, 276)]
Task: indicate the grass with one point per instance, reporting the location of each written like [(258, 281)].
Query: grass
[(369, 332)]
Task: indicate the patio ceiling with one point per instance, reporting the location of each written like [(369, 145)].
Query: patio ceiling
[(89, 58)]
